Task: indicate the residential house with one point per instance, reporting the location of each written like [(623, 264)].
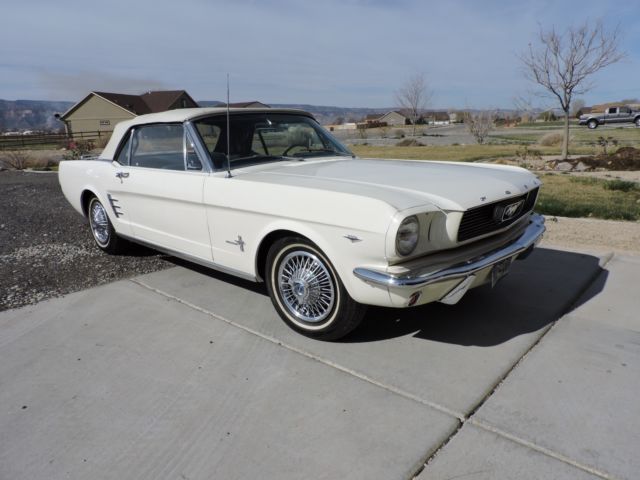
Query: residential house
[(394, 118), (101, 111)]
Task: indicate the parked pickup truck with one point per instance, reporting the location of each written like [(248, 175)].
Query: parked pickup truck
[(610, 115)]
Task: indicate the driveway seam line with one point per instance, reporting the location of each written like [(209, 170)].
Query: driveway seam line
[(564, 311), (538, 448), (459, 416)]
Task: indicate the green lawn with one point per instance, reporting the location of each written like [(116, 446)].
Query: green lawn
[(580, 136), (569, 196), (465, 153)]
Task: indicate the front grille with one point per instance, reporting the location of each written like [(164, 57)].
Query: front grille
[(481, 220)]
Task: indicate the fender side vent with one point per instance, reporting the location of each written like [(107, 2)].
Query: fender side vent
[(117, 210)]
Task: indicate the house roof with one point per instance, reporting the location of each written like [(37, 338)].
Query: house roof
[(150, 102), (394, 111), (161, 100)]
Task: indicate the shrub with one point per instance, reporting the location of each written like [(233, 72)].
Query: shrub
[(17, 160), (76, 150), (399, 133), (409, 142), (551, 139), (622, 185), (525, 154)]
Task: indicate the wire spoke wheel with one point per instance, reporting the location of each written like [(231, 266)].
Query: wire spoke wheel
[(306, 287), (99, 223), (307, 292)]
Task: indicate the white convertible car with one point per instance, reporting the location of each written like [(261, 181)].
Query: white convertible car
[(276, 198)]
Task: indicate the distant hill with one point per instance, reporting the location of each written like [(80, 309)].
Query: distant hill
[(324, 114), (31, 114)]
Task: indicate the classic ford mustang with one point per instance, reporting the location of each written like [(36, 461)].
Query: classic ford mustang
[(269, 195)]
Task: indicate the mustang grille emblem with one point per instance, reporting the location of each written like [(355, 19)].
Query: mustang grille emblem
[(507, 212)]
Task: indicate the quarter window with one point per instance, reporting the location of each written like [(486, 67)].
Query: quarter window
[(123, 154)]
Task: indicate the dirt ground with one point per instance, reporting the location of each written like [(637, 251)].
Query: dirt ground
[(593, 234)]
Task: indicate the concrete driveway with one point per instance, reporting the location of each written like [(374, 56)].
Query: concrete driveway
[(189, 374)]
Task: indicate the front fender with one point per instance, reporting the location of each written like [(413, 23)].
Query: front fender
[(345, 254)]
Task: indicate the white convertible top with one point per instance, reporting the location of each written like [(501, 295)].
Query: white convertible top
[(178, 116)]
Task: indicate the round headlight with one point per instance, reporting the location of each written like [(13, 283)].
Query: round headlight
[(407, 236)]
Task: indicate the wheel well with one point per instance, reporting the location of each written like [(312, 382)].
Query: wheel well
[(265, 245), (85, 198)]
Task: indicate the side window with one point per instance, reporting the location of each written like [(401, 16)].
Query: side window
[(158, 146), (123, 155), (613, 110), (625, 110)]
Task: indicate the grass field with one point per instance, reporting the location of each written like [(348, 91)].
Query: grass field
[(580, 136), (568, 196), (464, 153)]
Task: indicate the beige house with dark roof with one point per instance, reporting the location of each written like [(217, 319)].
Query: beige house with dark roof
[(394, 118), (100, 111)]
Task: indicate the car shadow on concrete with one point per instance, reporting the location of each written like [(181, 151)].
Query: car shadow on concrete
[(537, 292), (223, 277)]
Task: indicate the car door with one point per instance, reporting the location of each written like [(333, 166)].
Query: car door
[(161, 188), (611, 115), (624, 114)]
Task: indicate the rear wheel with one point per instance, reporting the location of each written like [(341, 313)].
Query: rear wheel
[(306, 291), (592, 124), (102, 230), (637, 122)]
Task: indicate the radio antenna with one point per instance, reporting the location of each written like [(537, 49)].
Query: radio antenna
[(228, 134)]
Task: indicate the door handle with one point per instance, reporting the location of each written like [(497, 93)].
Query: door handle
[(122, 175)]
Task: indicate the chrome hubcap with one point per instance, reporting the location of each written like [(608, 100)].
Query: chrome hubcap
[(306, 286), (99, 223)]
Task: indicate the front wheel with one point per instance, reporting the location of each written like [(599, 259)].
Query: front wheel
[(306, 291), (637, 122), (102, 230), (592, 124)]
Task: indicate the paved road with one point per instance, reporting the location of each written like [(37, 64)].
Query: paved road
[(188, 374)]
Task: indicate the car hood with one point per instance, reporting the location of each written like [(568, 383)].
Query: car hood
[(403, 184)]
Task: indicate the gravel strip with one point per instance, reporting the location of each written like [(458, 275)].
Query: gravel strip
[(46, 249)]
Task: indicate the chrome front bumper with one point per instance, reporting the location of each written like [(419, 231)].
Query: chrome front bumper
[(422, 276)]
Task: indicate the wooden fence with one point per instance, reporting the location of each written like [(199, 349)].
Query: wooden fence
[(53, 140)]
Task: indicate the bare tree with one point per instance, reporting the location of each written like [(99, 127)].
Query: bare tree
[(414, 97), (479, 124), (563, 62), (578, 104)]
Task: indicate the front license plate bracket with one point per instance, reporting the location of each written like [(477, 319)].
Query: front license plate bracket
[(499, 270)]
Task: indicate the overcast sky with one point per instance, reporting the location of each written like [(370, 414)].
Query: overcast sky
[(351, 53)]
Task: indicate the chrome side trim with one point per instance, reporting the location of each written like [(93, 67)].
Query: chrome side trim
[(422, 276), (192, 259)]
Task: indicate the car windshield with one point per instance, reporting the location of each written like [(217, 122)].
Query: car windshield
[(256, 138)]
